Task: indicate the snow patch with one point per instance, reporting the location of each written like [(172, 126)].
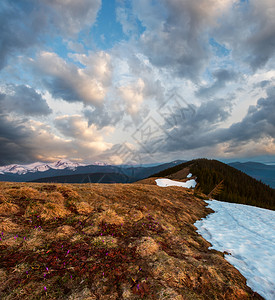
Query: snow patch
[(248, 234), (189, 175), (164, 182)]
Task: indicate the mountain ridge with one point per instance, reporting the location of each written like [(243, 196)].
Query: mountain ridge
[(237, 186)]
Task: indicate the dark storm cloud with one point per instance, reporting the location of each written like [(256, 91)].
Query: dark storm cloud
[(60, 88), (201, 129), (18, 28), (24, 100), (258, 123), (13, 139), (221, 78), (194, 129)]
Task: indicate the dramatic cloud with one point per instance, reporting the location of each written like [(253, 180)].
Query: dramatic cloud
[(133, 96), (176, 33), (221, 78), (27, 141), (18, 29), (101, 117), (24, 100), (254, 43), (72, 83), (80, 79), (258, 123), (13, 139), (23, 22), (201, 129), (74, 127)]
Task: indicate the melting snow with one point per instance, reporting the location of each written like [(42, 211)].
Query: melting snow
[(189, 175), (164, 182), (248, 234)]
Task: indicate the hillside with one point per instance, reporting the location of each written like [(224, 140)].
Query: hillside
[(237, 186), (100, 241), (88, 178)]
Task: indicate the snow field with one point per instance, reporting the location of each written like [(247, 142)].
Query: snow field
[(248, 234)]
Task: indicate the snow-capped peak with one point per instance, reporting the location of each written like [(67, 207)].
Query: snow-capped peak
[(39, 167)]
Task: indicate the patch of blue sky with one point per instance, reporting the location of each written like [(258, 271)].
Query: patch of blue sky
[(56, 45), (108, 31), (218, 49)]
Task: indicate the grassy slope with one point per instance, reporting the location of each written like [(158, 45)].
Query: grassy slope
[(238, 187), (121, 241)]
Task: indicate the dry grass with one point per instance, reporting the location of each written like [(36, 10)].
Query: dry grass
[(64, 231), (105, 241), (8, 208), (131, 241), (35, 240), (147, 246), (48, 210), (25, 193), (2, 198), (111, 217), (84, 208), (7, 225)]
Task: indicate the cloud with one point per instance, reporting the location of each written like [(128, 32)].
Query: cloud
[(24, 100), (257, 124), (22, 23), (13, 135), (132, 94), (254, 43), (102, 117), (221, 78), (17, 33), (262, 84), (72, 83), (77, 128), (25, 141), (203, 129), (127, 20), (72, 16), (176, 35)]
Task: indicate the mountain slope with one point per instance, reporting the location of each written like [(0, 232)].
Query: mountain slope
[(123, 241), (237, 186), (88, 178), (262, 172)]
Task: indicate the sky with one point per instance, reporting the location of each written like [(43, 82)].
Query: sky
[(120, 81)]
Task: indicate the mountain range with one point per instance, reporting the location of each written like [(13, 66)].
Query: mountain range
[(64, 171)]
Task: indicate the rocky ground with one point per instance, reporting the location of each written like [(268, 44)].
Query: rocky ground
[(116, 241)]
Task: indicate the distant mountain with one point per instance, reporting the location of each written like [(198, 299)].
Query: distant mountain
[(39, 167), (259, 171), (235, 186), (63, 168)]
